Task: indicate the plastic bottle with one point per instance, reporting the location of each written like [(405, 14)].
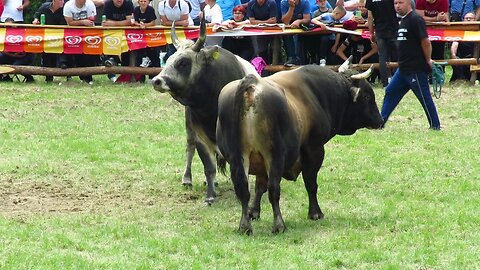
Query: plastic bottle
[(323, 62), (132, 19), (42, 19)]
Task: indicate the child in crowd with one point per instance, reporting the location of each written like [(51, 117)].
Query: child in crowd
[(241, 46)]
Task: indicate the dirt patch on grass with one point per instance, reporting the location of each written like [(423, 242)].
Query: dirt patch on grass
[(26, 199)]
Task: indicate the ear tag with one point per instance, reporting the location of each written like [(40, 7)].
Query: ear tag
[(215, 55)]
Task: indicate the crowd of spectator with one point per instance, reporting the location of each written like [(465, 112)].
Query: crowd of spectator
[(379, 15)]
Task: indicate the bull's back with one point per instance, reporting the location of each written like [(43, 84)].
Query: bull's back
[(310, 91)]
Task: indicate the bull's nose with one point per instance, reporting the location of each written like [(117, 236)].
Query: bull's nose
[(159, 84)]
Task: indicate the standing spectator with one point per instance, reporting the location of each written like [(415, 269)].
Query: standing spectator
[(460, 8), (144, 15), (197, 7), (81, 13), (241, 46), (53, 12), (414, 64), (174, 11), (227, 8), (434, 11), (294, 13), (382, 24), (262, 11), (13, 9), (462, 50)]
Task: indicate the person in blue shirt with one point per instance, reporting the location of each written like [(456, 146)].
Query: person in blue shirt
[(459, 8), (227, 8), (294, 13)]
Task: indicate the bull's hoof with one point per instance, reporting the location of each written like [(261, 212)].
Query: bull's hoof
[(278, 228), (209, 200), (245, 228), (187, 182), (315, 216), (254, 215)]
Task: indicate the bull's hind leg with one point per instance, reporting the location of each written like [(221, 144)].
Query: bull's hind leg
[(240, 184), (210, 172), (260, 189), (312, 161), (274, 178)]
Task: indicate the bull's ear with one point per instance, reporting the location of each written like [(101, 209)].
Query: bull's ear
[(354, 91), (211, 54)]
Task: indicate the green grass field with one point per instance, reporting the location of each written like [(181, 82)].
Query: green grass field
[(90, 178)]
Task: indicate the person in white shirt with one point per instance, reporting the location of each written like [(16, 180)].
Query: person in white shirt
[(82, 13), (213, 15), (174, 10), (197, 7), (13, 9)]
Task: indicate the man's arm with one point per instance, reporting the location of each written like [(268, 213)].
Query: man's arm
[(270, 20), (370, 27), (84, 22), (427, 50)]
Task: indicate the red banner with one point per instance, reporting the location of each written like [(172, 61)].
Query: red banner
[(14, 39), (72, 41), (136, 39)]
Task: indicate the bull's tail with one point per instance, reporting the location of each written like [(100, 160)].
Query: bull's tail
[(243, 99)]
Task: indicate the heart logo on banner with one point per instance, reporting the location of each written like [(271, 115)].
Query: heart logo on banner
[(93, 40), (154, 35), (134, 36), (73, 40), (433, 38), (14, 39), (112, 41), (34, 39)]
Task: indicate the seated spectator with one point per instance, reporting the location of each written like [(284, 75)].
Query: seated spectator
[(295, 13), (81, 13), (434, 11), (144, 15), (462, 50), (53, 12), (460, 8), (361, 50), (318, 43), (262, 11), (329, 43), (118, 13), (15, 59), (241, 46)]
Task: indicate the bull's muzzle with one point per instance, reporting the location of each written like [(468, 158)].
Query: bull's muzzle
[(159, 85)]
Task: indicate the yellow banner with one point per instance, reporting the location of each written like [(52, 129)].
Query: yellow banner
[(53, 40), (112, 42), (3, 31)]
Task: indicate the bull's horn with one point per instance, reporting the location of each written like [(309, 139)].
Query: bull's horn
[(344, 67), (363, 75), (201, 38), (174, 37)]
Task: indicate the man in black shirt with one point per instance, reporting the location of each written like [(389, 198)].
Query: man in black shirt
[(381, 13), (53, 12), (414, 64)]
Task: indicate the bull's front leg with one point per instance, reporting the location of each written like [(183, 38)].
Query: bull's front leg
[(313, 159), (210, 171), (260, 189), (190, 148)]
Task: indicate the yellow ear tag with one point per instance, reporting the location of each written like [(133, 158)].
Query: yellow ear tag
[(215, 55)]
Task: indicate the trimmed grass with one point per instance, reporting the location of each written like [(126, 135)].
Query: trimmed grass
[(90, 179)]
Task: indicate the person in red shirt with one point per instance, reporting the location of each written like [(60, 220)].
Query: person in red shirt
[(434, 11)]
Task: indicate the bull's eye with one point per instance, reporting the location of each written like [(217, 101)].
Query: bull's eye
[(183, 63)]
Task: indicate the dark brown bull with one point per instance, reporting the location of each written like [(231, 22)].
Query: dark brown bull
[(277, 126)]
